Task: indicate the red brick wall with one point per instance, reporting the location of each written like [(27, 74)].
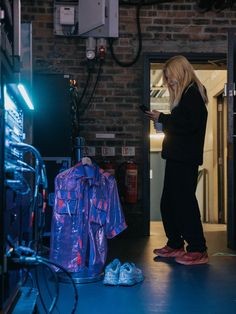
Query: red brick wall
[(171, 27)]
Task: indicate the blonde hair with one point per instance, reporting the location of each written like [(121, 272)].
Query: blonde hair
[(182, 73)]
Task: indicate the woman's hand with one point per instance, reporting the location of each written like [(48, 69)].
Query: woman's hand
[(153, 115)]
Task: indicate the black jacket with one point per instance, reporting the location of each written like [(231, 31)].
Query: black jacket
[(185, 128)]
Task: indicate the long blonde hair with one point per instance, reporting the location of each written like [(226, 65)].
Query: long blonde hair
[(182, 73)]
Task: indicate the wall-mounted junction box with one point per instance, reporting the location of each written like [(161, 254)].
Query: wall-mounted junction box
[(66, 18), (98, 18), (67, 15), (86, 18)]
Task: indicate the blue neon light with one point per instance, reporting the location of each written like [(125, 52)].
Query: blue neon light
[(24, 94), (8, 102)]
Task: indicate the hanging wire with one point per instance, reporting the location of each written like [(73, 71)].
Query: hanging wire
[(215, 5), (68, 275), (40, 179), (55, 298), (138, 5), (77, 102), (89, 102), (85, 88), (111, 41), (39, 290), (145, 2)]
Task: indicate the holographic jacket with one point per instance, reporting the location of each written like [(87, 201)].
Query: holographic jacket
[(87, 212)]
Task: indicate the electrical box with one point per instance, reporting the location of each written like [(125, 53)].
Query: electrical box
[(91, 15), (98, 18), (86, 18), (65, 18), (67, 15)]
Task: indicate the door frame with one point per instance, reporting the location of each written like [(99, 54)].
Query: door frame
[(220, 111), (231, 140), (196, 58)]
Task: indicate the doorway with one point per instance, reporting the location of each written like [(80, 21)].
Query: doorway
[(222, 157), (212, 189)]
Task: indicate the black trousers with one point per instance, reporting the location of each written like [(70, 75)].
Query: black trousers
[(179, 207)]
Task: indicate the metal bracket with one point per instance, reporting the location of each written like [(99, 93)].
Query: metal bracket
[(232, 91), (225, 90)]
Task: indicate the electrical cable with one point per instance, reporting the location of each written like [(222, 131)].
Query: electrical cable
[(57, 288), (153, 2), (32, 149), (22, 163), (138, 5), (24, 183), (68, 275), (28, 274), (215, 5), (84, 104), (128, 2), (76, 101), (24, 256), (85, 88), (88, 105), (220, 5), (40, 177), (39, 290), (145, 2), (111, 41), (55, 298), (19, 184), (80, 110), (34, 206)]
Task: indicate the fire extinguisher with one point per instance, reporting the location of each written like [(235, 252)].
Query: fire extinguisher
[(109, 167), (131, 182)]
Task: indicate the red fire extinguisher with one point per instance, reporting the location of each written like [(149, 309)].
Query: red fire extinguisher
[(131, 182), (109, 167)]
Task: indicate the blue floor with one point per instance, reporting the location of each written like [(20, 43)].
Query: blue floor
[(168, 287)]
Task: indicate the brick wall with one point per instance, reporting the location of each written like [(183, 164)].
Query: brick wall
[(172, 27)]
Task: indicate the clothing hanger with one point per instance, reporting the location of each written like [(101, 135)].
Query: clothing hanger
[(86, 161)]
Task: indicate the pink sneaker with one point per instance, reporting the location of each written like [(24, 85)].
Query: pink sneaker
[(167, 251), (193, 258)]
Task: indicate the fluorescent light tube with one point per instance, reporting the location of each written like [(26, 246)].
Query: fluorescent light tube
[(8, 102), (24, 94)]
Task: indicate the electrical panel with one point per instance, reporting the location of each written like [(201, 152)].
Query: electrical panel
[(91, 15), (87, 18), (13, 133), (16, 189), (66, 18), (67, 15), (106, 15)]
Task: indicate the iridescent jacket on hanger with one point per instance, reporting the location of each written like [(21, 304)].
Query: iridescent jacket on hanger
[(87, 212)]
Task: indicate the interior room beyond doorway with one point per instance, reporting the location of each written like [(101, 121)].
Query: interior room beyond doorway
[(213, 77)]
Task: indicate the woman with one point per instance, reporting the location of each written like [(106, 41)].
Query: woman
[(184, 130)]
